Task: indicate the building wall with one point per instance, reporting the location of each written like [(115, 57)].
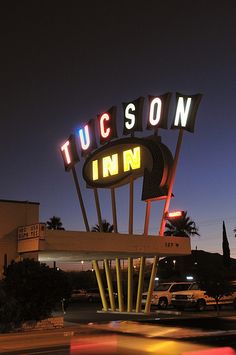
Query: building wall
[(14, 214)]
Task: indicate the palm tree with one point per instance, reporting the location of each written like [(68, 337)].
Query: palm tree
[(55, 223), (106, 227), (183, 227), (234, 232)]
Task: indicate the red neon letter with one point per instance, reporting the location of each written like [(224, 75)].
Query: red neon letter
[(64, 148), (105, 132)]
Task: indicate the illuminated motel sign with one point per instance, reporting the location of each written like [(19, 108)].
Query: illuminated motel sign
[(116, 160), (119, 161), (112, 165)]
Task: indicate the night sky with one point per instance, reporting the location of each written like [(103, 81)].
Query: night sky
[(62, 63)]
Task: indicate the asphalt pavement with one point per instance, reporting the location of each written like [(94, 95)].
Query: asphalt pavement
[(87, 331)]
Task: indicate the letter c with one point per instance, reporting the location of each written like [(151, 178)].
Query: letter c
[(105, 132)]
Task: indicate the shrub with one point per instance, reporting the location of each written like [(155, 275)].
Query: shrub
[(34, 288)]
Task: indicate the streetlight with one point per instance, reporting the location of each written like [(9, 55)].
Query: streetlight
[(82, 262), (174, 262)]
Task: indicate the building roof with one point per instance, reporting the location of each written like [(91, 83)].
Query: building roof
[(15, 201)]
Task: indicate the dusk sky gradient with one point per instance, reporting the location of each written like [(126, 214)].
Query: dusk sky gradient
[(62, 63)]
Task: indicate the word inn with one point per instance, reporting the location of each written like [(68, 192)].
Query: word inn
[(110, 165)]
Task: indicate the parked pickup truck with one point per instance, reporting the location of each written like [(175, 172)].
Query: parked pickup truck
[(197, 298)]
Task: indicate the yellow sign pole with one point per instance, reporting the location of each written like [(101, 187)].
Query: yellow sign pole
[(119, 286), (140, 284), (130, 260), (100, 285), (142, 261), (109, 284), (130, 285), (151, 285)]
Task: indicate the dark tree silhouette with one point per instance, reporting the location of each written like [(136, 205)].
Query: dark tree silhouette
[(182, 226), (216, 285), (35, 287), (225, 247), (55, 223), (106, 227)]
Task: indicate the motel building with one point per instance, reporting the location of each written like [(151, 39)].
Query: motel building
[(23, 236)]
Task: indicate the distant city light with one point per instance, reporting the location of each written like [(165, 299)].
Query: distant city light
[(189, 278)]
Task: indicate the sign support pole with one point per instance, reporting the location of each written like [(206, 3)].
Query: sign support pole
[(76, 181), (143, 260), (117, 260), (163, 222), (119, 286), (131, 205), (130, 260), (147, 217), (140, 284), (151, 284), (170, 189), (130, 285), (99, 215), (109, 284), (100, 285), (114, 214)]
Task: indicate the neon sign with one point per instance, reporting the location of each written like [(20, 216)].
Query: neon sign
[(69, 153), (113, 163), (110, 165)]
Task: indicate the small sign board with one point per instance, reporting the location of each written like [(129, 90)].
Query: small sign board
[(32, 231)]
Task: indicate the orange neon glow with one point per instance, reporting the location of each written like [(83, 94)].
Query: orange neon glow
[(105, 132), (64, 148), (174, 214), (212, 351), (94, 345)]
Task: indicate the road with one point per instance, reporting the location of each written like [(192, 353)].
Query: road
[(89, 332), (83, 312)]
